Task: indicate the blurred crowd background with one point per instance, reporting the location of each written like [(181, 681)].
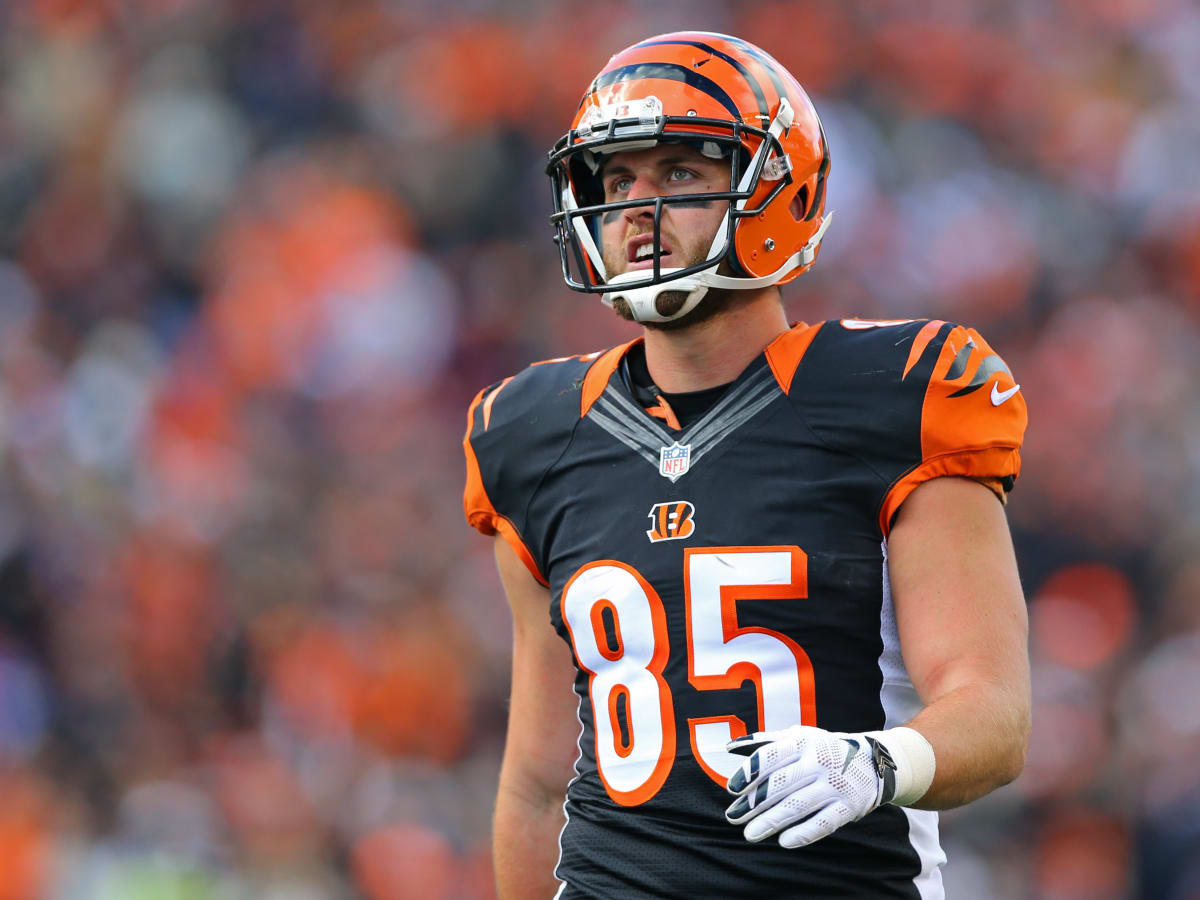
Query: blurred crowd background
[(256, 257)]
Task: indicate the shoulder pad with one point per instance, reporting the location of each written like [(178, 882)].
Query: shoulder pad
[(915, 400), (516, 429), (973, 415)]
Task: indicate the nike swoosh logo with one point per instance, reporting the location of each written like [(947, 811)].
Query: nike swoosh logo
[(999, 396), (850, 754)]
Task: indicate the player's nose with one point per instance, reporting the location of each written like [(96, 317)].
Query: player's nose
[(642, 186)]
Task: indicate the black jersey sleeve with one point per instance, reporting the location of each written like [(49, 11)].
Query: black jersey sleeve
[(517, 429), (914, 401)]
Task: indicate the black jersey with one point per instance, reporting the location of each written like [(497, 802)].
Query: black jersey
[(731, 577)]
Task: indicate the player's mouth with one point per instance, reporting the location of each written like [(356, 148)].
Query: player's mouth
[(639, 252)]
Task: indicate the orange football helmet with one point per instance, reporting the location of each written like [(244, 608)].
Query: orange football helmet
[(730, 99)]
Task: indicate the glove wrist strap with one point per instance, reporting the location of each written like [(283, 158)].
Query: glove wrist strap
[(905, 762)]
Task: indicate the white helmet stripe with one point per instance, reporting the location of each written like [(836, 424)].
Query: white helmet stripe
[(585, 236)]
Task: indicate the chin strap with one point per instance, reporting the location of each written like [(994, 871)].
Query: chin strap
[(643, 300)]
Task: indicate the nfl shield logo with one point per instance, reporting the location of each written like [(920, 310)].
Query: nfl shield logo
[(673, 461)]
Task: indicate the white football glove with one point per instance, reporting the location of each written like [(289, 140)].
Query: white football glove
[(804, 783)]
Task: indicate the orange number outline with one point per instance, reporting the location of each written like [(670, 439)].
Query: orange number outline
[(658, 662), (745, 670)]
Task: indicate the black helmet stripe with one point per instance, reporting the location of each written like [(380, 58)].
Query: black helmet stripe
[(822, 172), (670, 72), (771, 65), (767, 62), (736, 63)]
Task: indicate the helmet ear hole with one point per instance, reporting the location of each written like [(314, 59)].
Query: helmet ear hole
[(589, 188), (799, 205)]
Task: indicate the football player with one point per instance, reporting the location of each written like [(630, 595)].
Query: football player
[(767, 617)]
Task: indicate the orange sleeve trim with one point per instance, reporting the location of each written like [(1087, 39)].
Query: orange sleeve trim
[(785, 352), (480, 513), (920, 342), (491, 398), (996, 486), (476, 504), (508, 531), (598, 375), (985, 465), (471, 416)]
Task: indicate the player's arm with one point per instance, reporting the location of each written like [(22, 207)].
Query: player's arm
[(541, 747), (963, 628), (961, 618)]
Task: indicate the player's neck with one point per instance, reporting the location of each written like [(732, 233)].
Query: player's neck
[(717, 350)]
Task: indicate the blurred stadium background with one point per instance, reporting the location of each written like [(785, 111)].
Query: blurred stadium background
[(255, 257)]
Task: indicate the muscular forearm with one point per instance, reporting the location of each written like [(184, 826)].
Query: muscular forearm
[(979, 733), (525, 834)]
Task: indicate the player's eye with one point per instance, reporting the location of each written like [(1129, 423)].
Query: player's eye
[(680, 174), (620, 185)]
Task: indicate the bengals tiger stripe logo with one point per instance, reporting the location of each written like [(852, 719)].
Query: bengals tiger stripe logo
[(671, 521)]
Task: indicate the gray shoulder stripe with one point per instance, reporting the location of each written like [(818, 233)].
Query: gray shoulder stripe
[(736, 417), (735, 422), (614, 428), (710, 426), (627, 428), (629, 424), (989, 367), (716, 421), (959, 365), (633, 421), (631, 411), (733, 398), (718, 408)]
